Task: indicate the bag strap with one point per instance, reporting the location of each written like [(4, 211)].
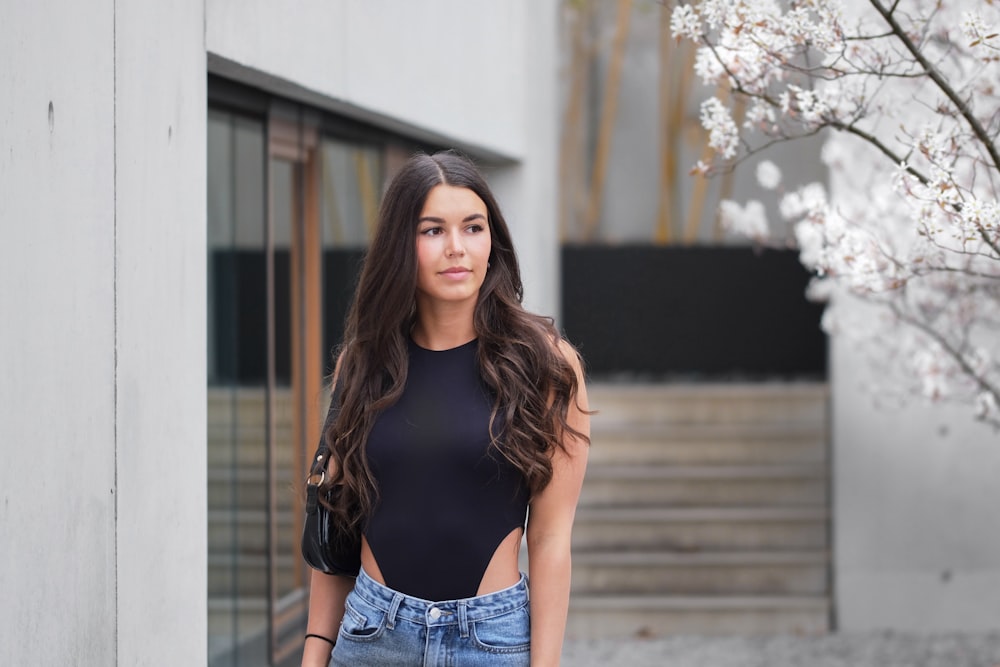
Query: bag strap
[(317, 475), (318, 465), (317, 471)]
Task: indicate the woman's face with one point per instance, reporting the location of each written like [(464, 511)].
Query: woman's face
[(453, 246)]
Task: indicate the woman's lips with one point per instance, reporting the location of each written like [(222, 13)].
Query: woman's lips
[(456, 273)]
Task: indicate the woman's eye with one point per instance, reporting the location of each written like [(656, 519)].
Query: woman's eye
[(475, 228), (431, 231)]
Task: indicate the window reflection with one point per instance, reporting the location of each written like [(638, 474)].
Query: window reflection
[(236, 400), (352, 178), (277, 297)]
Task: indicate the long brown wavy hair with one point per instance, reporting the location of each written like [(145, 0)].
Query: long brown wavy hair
[(519, 359)]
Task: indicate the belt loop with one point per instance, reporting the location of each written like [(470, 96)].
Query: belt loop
[(463, 618), (390, 620)]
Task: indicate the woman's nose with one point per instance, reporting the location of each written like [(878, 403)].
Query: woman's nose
[(455, 247)]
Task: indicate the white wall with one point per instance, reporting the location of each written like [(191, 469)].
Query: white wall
[(57, 337), (480, 75), (161, 292), (445, 65), (102, 291), (916, 523), (528, 191)]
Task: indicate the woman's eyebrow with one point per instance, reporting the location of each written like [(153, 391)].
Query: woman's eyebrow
[(440, 221)]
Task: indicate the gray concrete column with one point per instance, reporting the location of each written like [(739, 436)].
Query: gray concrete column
[(102, 295)]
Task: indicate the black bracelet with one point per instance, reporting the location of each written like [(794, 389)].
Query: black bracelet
[(326, 639)]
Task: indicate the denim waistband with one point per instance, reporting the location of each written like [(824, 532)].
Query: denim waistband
[(398, 605)]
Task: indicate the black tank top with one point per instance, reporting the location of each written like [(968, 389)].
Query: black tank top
[(447, 499)]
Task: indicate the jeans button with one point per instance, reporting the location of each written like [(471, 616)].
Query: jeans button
[(435, 613)]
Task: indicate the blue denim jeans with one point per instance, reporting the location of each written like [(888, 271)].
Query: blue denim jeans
[(385, 627)]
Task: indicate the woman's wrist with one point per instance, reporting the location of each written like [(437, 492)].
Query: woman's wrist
[(324, 638), (317, 649)]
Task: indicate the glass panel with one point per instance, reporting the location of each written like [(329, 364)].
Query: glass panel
[(351, 185), (237, 363), (286, 208), (285, 239), (352, 177)]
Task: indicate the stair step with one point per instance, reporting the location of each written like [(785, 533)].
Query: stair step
[(725, 444), (696, 403), (703, 573), (651, 616), (707, 471), (614, 485), (701, 529)]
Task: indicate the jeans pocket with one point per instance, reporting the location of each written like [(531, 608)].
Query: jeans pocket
[(507, 633), (362, 621)]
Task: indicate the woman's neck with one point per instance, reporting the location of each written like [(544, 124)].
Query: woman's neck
[(443, 328)]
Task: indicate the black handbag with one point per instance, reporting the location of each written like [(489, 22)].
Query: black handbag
[(323, 547)]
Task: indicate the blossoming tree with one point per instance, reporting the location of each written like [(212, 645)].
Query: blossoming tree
[(907, 94)]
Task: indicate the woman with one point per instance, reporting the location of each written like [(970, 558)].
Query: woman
[(454, 411)]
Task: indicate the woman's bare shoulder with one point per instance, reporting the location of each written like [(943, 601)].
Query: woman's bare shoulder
[(568, 352)]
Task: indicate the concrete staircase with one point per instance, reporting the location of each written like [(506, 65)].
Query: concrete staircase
[(705, 510)]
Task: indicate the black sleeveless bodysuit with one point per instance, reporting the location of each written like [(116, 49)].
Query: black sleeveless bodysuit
[(446, 498)]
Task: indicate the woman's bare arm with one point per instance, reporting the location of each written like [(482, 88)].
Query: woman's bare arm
[(327, 593), (550, 526)]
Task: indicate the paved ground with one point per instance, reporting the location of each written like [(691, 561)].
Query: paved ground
[(839, 650)]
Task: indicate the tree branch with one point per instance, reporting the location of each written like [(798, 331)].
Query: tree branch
[(936, 77), (877, 143), (980, 381)]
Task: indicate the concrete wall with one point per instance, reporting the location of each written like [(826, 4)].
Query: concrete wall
[(102, 290), (480, 75), (917, 538), (161, 293), (446, 65), (528, 190)]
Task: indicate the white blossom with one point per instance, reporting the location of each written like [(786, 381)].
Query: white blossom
[(910, 225), (931, 367), (749, 221), (974, 27), (723, 135), (768, 175), (707, 67), (759, 114), (701, 168), (808, 199), (809, 238), (986, 406), (685, 22)]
